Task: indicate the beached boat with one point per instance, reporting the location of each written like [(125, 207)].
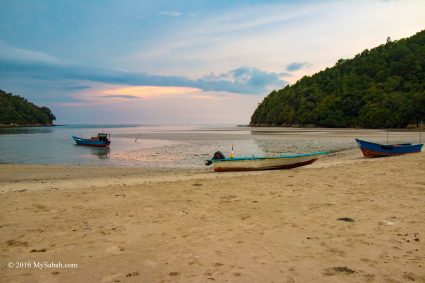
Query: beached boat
[(371, 149), (222, 164), (101, 140)]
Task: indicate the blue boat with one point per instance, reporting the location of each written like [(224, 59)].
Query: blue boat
[(101, 140), (371, 149)]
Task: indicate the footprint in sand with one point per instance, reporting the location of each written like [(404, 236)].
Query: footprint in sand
[(39, 206), (338, 270), (409, 276), (174, 273), (16, 243), (38, 251), (346, 219), (132, 274)]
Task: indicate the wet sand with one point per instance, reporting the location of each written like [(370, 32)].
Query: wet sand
[(342, 219)]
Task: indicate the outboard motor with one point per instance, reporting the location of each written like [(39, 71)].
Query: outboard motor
[(217, 156)]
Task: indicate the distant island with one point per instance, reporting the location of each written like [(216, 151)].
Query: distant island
[(379, 88), (17, 111)]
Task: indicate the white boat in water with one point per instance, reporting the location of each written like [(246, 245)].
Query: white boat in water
[(262, 163)]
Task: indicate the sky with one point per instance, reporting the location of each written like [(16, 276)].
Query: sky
[(189, 62)]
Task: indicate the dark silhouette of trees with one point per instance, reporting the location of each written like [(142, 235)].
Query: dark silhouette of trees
[(16, 110)]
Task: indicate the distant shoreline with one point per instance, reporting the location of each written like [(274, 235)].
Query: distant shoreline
[(28, 125), (407, 129)]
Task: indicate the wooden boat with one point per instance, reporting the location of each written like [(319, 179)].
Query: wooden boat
[(371, 149), (101, 140), (263, 163)]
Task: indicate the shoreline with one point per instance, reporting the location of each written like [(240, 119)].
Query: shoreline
[(19, 172), (407, 129), (27, 126), (126, 224)]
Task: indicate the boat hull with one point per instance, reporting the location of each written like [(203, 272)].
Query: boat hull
[(371, 150), (87, 142), (264, 163)]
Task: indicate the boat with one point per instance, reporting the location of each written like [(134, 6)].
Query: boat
[(371, 149), (222, 164), (101, 140)]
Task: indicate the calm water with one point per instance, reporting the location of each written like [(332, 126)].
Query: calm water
[(183, 146)]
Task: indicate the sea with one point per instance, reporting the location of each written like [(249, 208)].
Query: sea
[(176, 146)]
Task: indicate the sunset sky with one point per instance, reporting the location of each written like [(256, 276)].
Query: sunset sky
[(181, 61)]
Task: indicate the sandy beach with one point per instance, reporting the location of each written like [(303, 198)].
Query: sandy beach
[(342, 219)]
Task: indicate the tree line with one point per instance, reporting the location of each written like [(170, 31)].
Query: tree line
[(16, 110), (379, 88)]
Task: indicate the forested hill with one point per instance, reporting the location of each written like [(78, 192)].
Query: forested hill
[(16, 110), (380, 88)]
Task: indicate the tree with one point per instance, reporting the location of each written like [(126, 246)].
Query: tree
[(15, 109), (379, 88)]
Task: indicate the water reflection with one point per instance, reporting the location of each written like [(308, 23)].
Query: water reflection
[(100, 152), (25, 130), (172, 146)]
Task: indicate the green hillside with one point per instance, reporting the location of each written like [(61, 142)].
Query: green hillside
[(16, 110), (379, 88)]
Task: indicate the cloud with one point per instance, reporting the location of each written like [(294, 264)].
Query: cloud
[(170, 13), (17, 55), (75, 87), (233, 37), (244, 80), (295, 66), (255, 17), (144, 91), (124, 96), (286, 75)]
